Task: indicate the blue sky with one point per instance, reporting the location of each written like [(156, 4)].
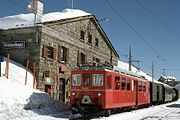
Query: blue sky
[(150, 27)]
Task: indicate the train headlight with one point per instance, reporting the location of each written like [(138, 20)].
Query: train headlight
[(99, 94), (73, 93)]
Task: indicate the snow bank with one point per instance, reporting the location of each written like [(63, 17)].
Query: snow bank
[(17, 73), (20, 101), (26, 20)]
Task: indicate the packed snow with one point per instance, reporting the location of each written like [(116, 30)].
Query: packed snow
[(26, 20), (18, 101)]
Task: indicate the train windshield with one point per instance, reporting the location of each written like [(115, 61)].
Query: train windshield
[(97, 80), (76, 79)]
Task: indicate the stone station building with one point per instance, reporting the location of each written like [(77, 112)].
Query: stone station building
[(57, 47)]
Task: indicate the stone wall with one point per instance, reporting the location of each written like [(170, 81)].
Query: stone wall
[(64, 33)]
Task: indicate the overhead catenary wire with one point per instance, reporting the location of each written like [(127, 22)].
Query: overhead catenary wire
[(133, 29), (16, 2), (158, 19)]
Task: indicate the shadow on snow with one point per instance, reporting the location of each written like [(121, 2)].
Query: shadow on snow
[(43, 104), (174, 105)]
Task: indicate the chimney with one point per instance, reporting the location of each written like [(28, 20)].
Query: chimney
[(36, 7)]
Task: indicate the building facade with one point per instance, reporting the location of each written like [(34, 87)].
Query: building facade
[(57, 47)]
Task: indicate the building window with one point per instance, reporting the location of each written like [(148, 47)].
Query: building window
[(96, 42), (63, 54), (82, 35), (90, 39), (49, 52), (97, 60), (82, 59)]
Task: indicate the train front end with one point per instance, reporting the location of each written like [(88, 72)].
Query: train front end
[(87, 90)]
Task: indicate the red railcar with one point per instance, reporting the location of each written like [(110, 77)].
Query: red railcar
[(98, 88)]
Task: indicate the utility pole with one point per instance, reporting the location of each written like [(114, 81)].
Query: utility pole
[(130, 58), (72, 4)]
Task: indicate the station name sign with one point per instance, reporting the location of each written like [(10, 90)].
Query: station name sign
[(14, 44)]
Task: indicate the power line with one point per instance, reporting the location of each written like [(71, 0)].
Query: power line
[(158, 19), (16, 2), (132, 28)]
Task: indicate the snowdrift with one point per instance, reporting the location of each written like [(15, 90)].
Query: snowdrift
[(19, 101)]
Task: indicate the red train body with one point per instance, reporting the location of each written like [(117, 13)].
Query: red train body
[(97, 88)]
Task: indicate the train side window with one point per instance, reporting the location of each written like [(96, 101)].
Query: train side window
[(86, 80), (76, 80), (132, 83), (140, 86), (117, 82), (123, 84), (144, 86), (108, 86), (128, 84)]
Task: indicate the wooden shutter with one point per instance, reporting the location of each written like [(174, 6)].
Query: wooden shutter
[(45, 51), (78, 58), (67, 55), (54, 53), (59, 53)]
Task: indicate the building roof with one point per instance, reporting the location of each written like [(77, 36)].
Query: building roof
[(26, 20), (168, 77)]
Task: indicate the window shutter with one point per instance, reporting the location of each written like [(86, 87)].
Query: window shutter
[(78, 58), (54, 53), (67, 55), (45, 51), (59, 53)]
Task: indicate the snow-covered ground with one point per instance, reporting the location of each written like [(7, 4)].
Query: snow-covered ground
[(20, 102), (170, 111)]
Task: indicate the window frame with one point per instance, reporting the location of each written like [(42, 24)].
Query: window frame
[(96, 42), (82, 35), (95, 83), (80, 80)]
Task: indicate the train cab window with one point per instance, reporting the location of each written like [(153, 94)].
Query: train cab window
[(97, 80), (128, 84), (144, 86), (117, 83), (140, 86), (86, 81), (109, 78), (123, 84), (76, 79)]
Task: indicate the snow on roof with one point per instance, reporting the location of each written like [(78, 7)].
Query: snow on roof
[(125, 66), (169, 77), (26, 20)]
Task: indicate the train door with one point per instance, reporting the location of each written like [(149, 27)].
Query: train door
[(48, 89), (62, 89), (136, 92)]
